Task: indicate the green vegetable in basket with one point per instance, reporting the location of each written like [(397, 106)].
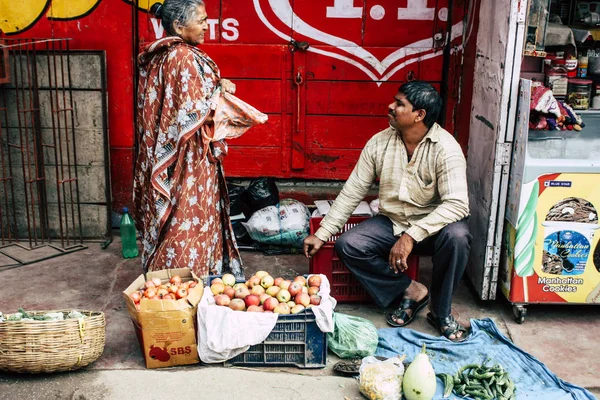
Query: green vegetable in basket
[(352, 336), (26, 315)]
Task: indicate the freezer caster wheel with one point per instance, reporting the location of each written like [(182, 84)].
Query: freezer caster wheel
[(519, 312)]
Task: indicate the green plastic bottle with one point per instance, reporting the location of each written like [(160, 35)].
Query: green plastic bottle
[(128, 235)]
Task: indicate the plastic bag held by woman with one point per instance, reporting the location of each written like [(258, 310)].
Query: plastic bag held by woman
[(233, 117), (352, 336)]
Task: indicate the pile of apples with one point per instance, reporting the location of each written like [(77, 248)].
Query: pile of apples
[(155, 289), (263, 293)]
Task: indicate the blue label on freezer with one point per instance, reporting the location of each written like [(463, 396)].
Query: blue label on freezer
[(558, 183), (565, 253)]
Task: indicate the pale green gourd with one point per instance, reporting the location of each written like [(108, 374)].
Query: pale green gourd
[(419, 379)]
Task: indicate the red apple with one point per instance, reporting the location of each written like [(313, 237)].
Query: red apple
[(228, 279), (263, 297), (297, 308), (295, 288), (282, 308), (315, 299), (222, 300), (229, 291), (285, 284), (173, 288), (270, 304), (303, 299), (254, 281), (254, 309), (283, 296), (272, 291), (241, 292), (261, 274), (149, 285), (267, 281), (237, 305), (257, 290), (136, 297), (314, 280), (217, 288), (277, 281), (217, 280), (157, 282), (313, 290), (252, 300), (182, 293), (301, 280)]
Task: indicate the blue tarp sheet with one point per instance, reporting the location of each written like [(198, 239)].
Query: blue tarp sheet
[(533, 380)]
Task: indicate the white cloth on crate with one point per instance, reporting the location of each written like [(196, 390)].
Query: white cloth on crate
[(224, 334)]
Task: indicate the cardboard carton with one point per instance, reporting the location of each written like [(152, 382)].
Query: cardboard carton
[(166, 329)]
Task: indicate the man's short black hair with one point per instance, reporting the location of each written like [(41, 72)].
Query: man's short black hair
[(423, 96)]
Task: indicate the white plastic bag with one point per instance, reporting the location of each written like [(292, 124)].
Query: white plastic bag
[(381, 380), (285, 224), (233, 117), (224, 333)]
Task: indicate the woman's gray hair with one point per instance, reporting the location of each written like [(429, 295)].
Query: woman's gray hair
[(176, 10)]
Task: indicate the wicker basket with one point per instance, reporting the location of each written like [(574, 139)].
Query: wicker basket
[(51, 346)]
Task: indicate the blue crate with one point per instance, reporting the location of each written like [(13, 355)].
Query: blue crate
[(296, 340)]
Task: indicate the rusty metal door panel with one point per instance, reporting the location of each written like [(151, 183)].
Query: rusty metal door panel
[(250, 61), (254, 18), (391, 23), (323, 130), (261, 74)]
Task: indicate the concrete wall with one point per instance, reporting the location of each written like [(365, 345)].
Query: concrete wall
[(87, 127)]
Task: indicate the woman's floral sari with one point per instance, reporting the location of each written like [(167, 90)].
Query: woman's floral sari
[(180, 194)]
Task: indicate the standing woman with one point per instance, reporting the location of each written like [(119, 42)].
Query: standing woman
[(180, 194)]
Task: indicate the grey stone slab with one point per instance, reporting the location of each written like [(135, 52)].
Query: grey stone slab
[(92, 184), (56, 145), (16, 100), (90, 179), (50, 70), (62, 221), (55, 109), (86, 70)]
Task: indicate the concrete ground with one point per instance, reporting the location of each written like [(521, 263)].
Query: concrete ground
[(565, 338)]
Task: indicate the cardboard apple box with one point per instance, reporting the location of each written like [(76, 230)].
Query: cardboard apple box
[(166, 329)]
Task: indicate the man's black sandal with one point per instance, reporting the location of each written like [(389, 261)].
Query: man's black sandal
[(450, 325), (406, 305)]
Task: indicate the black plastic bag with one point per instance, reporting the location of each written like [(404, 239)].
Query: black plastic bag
[(262, 192), (241, 234), (237, 198)]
